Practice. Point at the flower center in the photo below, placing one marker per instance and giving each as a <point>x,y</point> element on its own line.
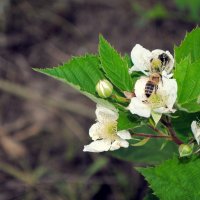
<point>156,101</point>
<point>110,130</point>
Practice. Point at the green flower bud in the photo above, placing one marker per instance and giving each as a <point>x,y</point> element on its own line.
<point>104,88</point>
<point>185,150</point>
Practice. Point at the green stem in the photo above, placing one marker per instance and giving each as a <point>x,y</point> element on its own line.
<point>151,135</point>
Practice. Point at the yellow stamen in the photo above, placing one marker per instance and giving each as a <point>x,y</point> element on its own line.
<point>156,101</point>
<point>110,130</point>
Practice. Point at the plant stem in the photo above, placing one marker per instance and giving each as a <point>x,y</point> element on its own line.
<point>152,135</point>
<point>156,130</point>
<point>171,131</point>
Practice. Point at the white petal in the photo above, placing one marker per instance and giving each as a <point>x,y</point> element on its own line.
<point>95,131</point>
<point>104,114</point>
<point>141,58</point>
<point>196,131</point>
<point>140,88</point>
<point>124,135</point>
<point>119,143</point>
<point>157,52</point>
<point>139,108</point>
<point>98,146</point>
<point>161,110</point>
<point>168,89</point>
<point>171,63</point>
<point>166,75</point>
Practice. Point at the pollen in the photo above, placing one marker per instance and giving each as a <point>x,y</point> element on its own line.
<point>110,130</point>
<point>156,63</point>
<point>156,101</point>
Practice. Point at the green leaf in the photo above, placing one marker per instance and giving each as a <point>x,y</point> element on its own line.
<point>150,153</point>
<point>150,196</point>
<point>182,124</point>
<point>115,67</point>
<point>128,121</point>
<point>83,73</point>
<point>189,47</point>
<point>174,179</point>
<point>186,74</point>
<point>141,142</point>
<point>127,59</point>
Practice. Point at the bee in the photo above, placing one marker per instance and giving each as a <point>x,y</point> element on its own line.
<point>164,58</point>
<point>152,84</point>
<point>158,64</point>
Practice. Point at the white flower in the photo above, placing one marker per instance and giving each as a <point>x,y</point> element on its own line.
<point>151,61</point>
<point>195,126</point>
<point>104,132</point>
<point>160,102</point>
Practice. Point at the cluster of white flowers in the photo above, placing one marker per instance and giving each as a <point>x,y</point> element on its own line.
<point>164,94</point>
<point>160,98</point>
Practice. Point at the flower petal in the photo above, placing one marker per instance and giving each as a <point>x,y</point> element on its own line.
<point>104,114</point>
<point>98,146</point>
<point>196,131</point>
<point>141,58</point>
<point>168,89</point>
<point>139,108</point>
<point>95,131</point>
<point>124,134</point>
<point>140,88</point>
<point>119,143</point>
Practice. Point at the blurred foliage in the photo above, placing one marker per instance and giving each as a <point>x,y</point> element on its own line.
<point>156,12</point>
<point>187,10</point>
<point>192,7</point>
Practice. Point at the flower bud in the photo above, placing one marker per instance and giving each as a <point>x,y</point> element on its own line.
<point>104,88</point>
<point>185,150</point>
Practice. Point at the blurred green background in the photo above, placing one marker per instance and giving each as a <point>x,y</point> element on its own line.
<point>44,123</point>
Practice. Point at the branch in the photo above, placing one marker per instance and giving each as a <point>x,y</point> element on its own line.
<point>152,135</point>
<point>171,131</point>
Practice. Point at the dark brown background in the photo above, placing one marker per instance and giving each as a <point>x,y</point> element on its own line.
<point>44,123</point>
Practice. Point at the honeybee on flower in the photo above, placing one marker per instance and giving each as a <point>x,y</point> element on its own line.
<point>160,101</point>
<point>149,62</point>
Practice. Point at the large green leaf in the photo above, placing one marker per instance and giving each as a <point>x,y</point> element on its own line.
<point>186,74</point>
<point>174,179</point>
<point>115,67</point>
<point>83,73</point>
<point>150,153</point>
<point>189,47</point>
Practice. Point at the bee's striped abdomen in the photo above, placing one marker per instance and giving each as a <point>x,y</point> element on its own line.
<point>149,88</point>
